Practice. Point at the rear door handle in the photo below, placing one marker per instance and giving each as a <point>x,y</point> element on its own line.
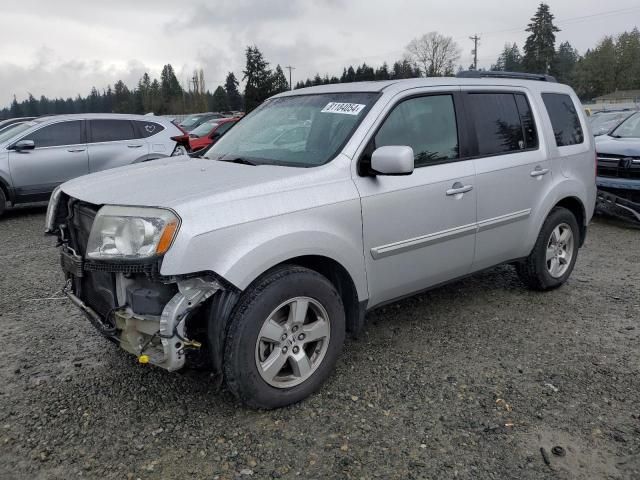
<point>134,146</point>
<point>539,171</point>
<point>76,150</point>
<point>458,189</point>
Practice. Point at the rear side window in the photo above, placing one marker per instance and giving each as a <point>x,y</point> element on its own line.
<point>497,122</point>
<point>426,124</point>
<point>564,119</point>
<point>111,130</point>
<point>147,129</point>
<point>58,134</point>
<point>528,124</point>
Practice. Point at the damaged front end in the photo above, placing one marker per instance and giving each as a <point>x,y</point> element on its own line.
<point>160,319</point>
<point>618,184</point>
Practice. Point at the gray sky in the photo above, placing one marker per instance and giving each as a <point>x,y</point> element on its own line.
<point>64,47</point>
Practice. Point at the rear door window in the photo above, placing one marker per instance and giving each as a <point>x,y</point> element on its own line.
<point>498,123</point>
<point>564,119</point>
<point>111,130</point>
<point>147,129</point>
<point>58,134</point>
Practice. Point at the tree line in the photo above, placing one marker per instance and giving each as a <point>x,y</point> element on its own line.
<point>613,64</point>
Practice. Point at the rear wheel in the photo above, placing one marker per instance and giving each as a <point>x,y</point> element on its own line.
<point>284,338</point>
<point>554,255</point>
<point>3,202</point>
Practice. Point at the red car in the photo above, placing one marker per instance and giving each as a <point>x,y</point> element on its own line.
<point>209,132</point>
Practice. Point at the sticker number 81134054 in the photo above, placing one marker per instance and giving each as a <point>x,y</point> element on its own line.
<point>343,108</point>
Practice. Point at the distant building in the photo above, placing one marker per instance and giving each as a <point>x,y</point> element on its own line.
<point>619,96</point>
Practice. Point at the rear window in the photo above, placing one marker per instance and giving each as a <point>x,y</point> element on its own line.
<point>503,123</point>
<point>111,130</point>
<point>564,119</point>
<point>147,129</point>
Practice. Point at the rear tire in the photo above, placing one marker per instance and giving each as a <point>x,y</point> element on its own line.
<point>554,255</point>
<point>3,202</point>
<point>284,337</point>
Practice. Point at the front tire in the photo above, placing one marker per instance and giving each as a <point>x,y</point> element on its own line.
<point>284,338</point>
<point>554,255</point>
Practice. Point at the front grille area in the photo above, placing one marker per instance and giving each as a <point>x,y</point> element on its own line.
<point>618,166</point>
<point>96,288</point>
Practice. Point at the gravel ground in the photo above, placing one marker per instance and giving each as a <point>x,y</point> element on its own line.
<point>468,381</point>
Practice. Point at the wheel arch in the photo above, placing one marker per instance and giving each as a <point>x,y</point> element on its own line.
<point>575,206</point>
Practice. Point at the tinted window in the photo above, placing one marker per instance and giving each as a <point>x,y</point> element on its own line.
<point>63,133</point>
<point>426,124</point>
<point>111,130</point>
<point>497,123</point>
<point>564,119</point>
<point>528,124</point>
<point>147,129</point>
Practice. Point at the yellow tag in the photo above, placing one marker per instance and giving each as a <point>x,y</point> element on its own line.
<point>143,359</point>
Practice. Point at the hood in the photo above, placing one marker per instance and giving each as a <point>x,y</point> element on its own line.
<point>629,147</point>
<point>175,181</point>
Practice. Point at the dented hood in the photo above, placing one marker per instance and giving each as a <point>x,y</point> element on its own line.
<point>175,181</point>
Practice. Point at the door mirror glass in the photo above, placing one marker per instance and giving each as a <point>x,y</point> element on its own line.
<point>392,160</point>
<point>24,145</point>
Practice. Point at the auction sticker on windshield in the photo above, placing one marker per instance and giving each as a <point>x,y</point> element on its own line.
<point>343,108</point>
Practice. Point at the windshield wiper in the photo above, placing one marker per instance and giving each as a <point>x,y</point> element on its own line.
<point>240,160</point>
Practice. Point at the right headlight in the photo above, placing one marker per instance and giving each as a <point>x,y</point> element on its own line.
<point>131,233</point>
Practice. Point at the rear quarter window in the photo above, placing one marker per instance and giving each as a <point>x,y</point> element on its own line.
<point>111,130</point>
<point>147,129</point>
<point>565,121</point>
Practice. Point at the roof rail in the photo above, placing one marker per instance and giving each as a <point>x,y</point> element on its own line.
<point>498,74</point>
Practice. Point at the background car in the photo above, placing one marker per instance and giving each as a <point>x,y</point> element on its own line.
<point>195,120</point>
<point>602,123</point>
<point>11,121</point>
<point>37,156</point>
<point>618,177</point>
<point>209,132</point>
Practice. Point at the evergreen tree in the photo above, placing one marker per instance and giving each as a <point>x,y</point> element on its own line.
<point>219,101</point>
<point>279,81</point>
<point>121,98</point>
<point>509,60</point>
<point>628,60</point>
<point>233,94</point>
<point>257,78</point>
<point>564,63</point>
<point>539,48</point>
<point>172,93</point>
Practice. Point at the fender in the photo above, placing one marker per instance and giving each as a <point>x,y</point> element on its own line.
<point>241,253</point>
<point>567,188</point>
<point>5,185</point>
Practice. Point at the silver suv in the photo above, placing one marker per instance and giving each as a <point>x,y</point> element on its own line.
<point>38,155</point>
<point>255,260</point>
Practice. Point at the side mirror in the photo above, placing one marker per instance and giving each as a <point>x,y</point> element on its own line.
<point>392,160</point>
<point>23,145</point>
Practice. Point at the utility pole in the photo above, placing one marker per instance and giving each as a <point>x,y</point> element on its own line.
<point>475,40</point>
<point>290,68</point>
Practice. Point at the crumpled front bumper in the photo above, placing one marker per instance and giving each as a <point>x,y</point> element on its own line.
<point>619,196</point>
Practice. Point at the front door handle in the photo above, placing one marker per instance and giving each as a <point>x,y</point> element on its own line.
<point>539,171</point>
<point>76,150</point>
<point>459,189</point>
<point>134,146</point>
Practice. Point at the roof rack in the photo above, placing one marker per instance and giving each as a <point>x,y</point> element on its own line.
<point>498,74</point>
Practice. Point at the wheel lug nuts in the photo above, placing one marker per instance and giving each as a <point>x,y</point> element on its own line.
<point>294,329</point>
<point>301,336</point>
<point>296,349</point>
<point>284,349</point>
<point>283,337</point>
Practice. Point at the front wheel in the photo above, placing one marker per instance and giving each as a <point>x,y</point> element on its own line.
<point>284,338</point>
<point>3,202</point>
<point>554,255</point>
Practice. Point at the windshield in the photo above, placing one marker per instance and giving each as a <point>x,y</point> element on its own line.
<point>204,129</point>
<point>602,123</point>
<point>191,120</point>
<point>630,128</point>
<point>298,131</point>
<point>12,130</point>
